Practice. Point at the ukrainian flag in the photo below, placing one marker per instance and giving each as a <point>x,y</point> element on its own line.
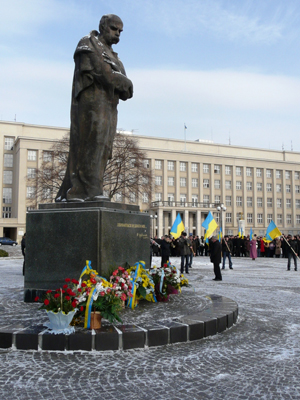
<point>272,231</point>
<point>220,235</point>
<point>210,225</point>
<point>251,234</point>
<point>177,227</point>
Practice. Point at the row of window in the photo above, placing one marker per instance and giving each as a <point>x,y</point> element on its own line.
<point>259,218</point>
<point>228,169</point>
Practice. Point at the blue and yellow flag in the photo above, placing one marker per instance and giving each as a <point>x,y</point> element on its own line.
<point>220,235</point>
<point>177,227</point>
<point>272,231</point>
<point>251,234</point>
<point>210,225</point>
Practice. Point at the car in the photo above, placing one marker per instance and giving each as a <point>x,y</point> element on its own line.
<point>7,241</point>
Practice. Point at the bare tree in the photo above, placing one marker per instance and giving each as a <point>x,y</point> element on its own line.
<point>127,176</point>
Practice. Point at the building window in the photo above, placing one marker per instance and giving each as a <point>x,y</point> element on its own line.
<point>171,165</point>
<point>31,155</point>
<point>227,170</point>
<point>8,160</point>
<point>228,217</point>
<point>297,175</point>
<point>8,145</point>
<point>278,203</point>
<point>238,185</point>
<point>249,218</point>
<point>146,163</point>
<point>269,173</point>
<point>288,203</point>
<point>249,171</point>
<point>279,218</point>
<point>6,212</point>
<point>145,198</point>
<point>170,197</point>
<point>182,166</point>
<point>206,183</point>
<point>217,169</point>
<point>269,187</point>
<point>158,196</point>
<point>158,164</point>
<point>258,172</point>
<point>30,193</point>
<point>183,199</point>
<point>278,188</point>
<point>259,218</point>
<point>239,202</point>
<point>217,184</point>
<point>288,219</point>
<point>194,200</point>
<point>288,188</point>
<point>287,174</point>
<point>194,167</point>
<point>7,195</point>
<point>238,171</point>
<point>269,218</point>
<point>249,201</point>
<point>194,182</point>
<point>278,174</point>
<point>47,156</point>
<point>228,200</point>
<point>297,203</point>
<point>217,218</point>
<point>171,181</point>
<point>30,208</point>
<point>119,197</point>
<point>158,180</point>
<point>298,219</point>
<point>217,199</point>
<point>182,182</point>
<point>31,173</point>
<point>228,185</point>
<point>205,198</point>
<point>297,188</point>
<point>249,185</point>
<point>259,202</point>
<point>259,186</point>
<point>269,202</point>
<point>7,177</point>
<point>206,168</point>
<point>132,197</point>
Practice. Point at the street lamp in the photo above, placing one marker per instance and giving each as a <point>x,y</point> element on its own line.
<point>221,208</point>
<point>153,217</point>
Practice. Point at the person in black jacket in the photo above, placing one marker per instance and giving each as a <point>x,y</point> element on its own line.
<point>165,249</point>
<point>23,247</point>
<point>215,257</point>
<point>184,245</point>
<point>227,251</point>
<point>292,252</point>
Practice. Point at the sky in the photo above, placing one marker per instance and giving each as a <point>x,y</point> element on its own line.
<point>228,70</point>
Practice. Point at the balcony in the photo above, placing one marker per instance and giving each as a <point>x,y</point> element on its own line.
<point>182,204</point>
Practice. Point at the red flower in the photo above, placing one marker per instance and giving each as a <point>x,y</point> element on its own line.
<point>37,298</point>
<point>56,295</point>
<point>72,294</point>
<point>46,302</point>
<point>79,289</point>
<point>121,269</point>
<point>93,281</point>
<point>83,284</point>
<point>81,308</point>
<point>67,298</point>
<point>49,291</point>
<point>75,281</point>
<point>65,286</point>
<point>57,290</point>
<point>115,272</point>
<point>74,304</point>
<point>102,293</point>
<point>69,291</point>
<point>123,297</point>
<point>67,279</point>
<point>63,291</point>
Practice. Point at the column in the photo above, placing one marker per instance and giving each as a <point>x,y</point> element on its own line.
<point>160,221</point>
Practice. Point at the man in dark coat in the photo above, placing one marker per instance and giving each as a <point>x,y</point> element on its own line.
<point>215,257</point>
<point>292,252</point>
<point>165,249</point>
<point>227,251</point>
<point>185,250</point>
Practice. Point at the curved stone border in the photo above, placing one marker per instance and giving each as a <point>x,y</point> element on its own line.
<point>219,315</point>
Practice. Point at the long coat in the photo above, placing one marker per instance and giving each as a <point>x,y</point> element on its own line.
<point>253,250</point>
<point>215,252</point>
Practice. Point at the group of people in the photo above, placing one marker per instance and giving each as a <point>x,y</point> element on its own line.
<point>187,247</point>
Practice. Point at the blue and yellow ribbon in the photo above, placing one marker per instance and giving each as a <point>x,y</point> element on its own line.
<point>88,309</point>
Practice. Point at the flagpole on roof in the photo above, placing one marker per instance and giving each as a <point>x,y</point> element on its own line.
<point>184,129</point>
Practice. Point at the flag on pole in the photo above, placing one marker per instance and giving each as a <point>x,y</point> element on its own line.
<point>239,234</point>
<point>251,233</point>
<point>220,234</point>
<point>177,227</point>
<point>272,231</point>
<point>210,225</point>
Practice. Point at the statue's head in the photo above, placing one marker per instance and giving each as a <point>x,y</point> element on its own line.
<point>110,28</point>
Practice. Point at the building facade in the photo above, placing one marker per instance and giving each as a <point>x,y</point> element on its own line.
<point>191,178</point>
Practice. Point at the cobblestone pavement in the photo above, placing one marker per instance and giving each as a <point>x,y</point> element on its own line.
<point>259,358</point>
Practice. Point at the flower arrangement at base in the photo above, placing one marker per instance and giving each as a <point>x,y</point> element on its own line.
<point>121,283</point>
<point>167,281</point>
<point>143,285</point>
<point>60,306</point>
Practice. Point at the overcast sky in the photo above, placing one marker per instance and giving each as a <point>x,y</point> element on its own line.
<point>225,68</point>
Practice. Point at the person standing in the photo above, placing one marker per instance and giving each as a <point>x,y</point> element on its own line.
<point>253,249</point>
<point>23,247</point>
<point>227,248</point>
<point>165,248</point>
<point>292,252</point>
<point>278,247</point>
<point>215,257</point>
<point>184,246</point>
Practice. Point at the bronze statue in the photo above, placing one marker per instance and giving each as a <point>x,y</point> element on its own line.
<point>98,84</point>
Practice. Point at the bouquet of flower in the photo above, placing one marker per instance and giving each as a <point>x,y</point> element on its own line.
<point>143,282</point>
<point>121,283</point>
<point>62,299</point>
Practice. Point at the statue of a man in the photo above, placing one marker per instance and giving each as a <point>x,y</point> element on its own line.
<point>98,84</point>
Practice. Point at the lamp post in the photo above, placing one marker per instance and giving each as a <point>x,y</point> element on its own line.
<point>153,217</point>
<point>221,208</point>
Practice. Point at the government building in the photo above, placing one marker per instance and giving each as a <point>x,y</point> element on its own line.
<point>241,186</point>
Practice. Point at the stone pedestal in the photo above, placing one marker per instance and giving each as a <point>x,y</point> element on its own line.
<point>60,237</point>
